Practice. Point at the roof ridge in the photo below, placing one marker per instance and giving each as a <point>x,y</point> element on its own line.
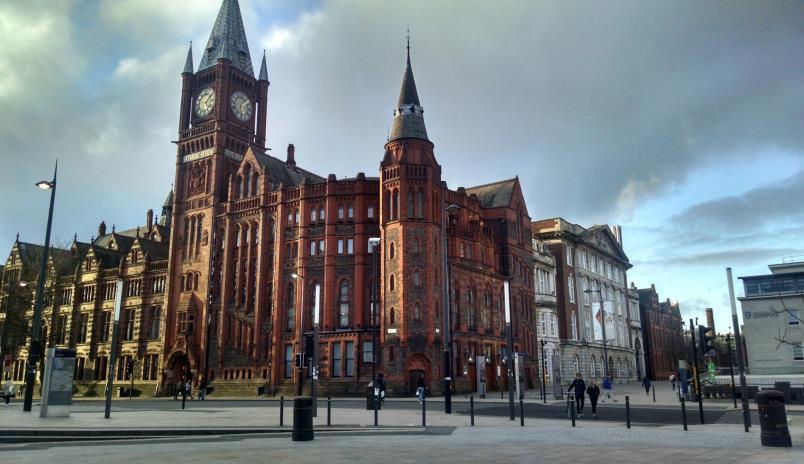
<point>491,183</point>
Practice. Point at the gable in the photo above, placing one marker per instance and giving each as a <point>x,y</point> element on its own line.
<point>602,238</point>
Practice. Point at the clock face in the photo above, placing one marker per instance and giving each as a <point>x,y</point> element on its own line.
<point>205,102</point>
<point>241,106</point>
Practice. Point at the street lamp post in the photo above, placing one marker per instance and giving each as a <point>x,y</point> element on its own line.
<point>447,337</point>
<point>510,358</point>
<point>300,382</point>
<point>316,316</point>
<point>36,330</point>
<point>739,348</point>
<point>544,372</point>
<point>603,327</point>
<point>374,242</point>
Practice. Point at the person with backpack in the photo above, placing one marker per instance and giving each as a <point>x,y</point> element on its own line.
<point>579,386</point>
<point>593,391</point>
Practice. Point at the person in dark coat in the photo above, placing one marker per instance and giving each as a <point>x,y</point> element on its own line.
<point>646,384</point>
<point>580,389</point>
<point>380,383</point>
<point>593,391</point>
<point>420,388</point>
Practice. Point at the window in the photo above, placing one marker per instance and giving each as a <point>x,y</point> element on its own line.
<point>129,316</point>
<point>350,211</point>
<point>340,211</point>
<point>154,320</point>
<point>336,360</point>
<point>368,352</point>
<point>313,214</point>
<point>574,322</point>
<point>391,285</point>
<point>288,361</point>
<point>312,248</point>
<point>61,330</point>
<point>320,247</point>
<point>290,223</point>
<point>186,323</point>
<point>83,326</point>
<point>793,317</point>
<point>420,204</point>
<point>411,212</point>
<point>150,367</point>
<point>123,372</point>
<point>343,304</point>
<point>417,311</point>
<point>415,245</point>
<point>101,365</point>
<point>391,250</point>
<point>417,278</point>
<point>350,246</point>
<point>371,211</point>
<point>291,305</point>
<point>321,213</point>
<point>350,359</point>
<point>105,325</point>
<point>571,288</point>
<point>392,317</point>
<point>569,255</point>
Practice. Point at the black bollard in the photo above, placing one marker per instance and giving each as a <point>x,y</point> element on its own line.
<point>684,413</point>
<point>424,412</point>
<point>303,419</point>
<point>183,399</point>
<point>281,411</point>
<point>653,387</point>
<point>773,419</point>
<point>501,394</point>
<point>572,412</point>
<point>376,417</point>
<point>472,410</point>
<point>521,413</point>
<point>329,410</point>
<point>627,412</point>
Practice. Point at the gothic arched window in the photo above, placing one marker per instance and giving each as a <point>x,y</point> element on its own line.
<point>420,204</point>
<point>290,299</point>
<point>343,304</point>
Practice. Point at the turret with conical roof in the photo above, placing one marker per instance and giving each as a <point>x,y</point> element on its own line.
<point>408,120</point>
<point>188,64</point>
<point>228,40</point>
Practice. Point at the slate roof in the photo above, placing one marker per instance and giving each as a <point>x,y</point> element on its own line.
<point>228,40</point>
<point>408,122</point>
<point>188,65</point>
<point>280,172</point>
<point>154,250</point>
<point>263,69</point>
<point>494,195</point>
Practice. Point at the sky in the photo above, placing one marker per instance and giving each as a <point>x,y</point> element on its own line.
<point>681,121</point>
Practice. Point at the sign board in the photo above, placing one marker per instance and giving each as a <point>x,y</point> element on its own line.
<point>57,388</point>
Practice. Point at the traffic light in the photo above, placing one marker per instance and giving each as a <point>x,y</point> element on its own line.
<point>129,367</point>
<point>309,347</point>
<point>299,360</point>
<point>706,337</point>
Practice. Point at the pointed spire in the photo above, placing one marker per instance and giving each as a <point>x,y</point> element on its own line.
<point>188,65</point>
<point>408,115</point>
<point>18,238</point>
<point>228,40</point>
<point>263,69</point>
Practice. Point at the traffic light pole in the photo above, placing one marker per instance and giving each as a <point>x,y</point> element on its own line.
<point>698,389</point>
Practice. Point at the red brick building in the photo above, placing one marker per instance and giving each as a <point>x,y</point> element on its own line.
<point>245,223</point>
<point>663,334</point>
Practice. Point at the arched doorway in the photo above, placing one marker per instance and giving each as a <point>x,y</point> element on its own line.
<point>416,366</point>
<point>178,370</point>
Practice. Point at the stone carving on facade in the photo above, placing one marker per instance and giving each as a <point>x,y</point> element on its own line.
<point>198,177</point>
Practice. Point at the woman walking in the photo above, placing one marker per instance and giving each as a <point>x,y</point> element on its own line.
<point>594,393</point>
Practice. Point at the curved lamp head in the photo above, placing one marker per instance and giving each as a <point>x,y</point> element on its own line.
<point>296,276</point>
<point>22,283</point>
<point>44,184</point>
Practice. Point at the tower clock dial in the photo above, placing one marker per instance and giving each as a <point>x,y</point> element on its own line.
<point>205,102</point>
<point>241,106</point>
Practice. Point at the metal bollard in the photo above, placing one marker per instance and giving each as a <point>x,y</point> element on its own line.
<point>653,387</point>
<point>281,411</point>
<point>329,410</point>
<point>627,412</point>
<point>183,400</point>
<point>501,394</point>
<point>684,413</point>
<point>472,409</point>
<point>572,412</point>
<point>376,417</point>
<point>424,412</point>
<point>521,413</point>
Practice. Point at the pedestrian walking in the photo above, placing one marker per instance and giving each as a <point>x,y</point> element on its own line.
<point>646,385</point>
<point>202,389</point>
<point>579,386</point>
<point>380,383</point>
<point>673,381</point>
<point>420,388</point>
<point>608,387</point>
<point>8,391</point>
<point>593,391</point>
<point>188,389</point>
<point>178,388</point>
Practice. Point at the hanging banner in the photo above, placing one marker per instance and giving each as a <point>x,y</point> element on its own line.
<point>611,331</point>
<point>597,323</point>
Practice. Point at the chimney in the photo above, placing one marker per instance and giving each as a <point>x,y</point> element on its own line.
<point>102,229</point>
<point>291,155</point>
<point>710,319</point>
<point>149,219</point>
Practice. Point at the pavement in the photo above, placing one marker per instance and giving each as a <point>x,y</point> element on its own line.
<point>157,430</point>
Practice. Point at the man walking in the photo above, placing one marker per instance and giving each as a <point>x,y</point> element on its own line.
<point>646,385</point>
<point>594,393</point>
<point>580,388</point>
<point>8,391</point>
<point>673,381</point>
<point>608,386</point>
<point>420,388</point>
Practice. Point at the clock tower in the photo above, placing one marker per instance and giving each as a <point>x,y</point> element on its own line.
<point>222,113</point>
